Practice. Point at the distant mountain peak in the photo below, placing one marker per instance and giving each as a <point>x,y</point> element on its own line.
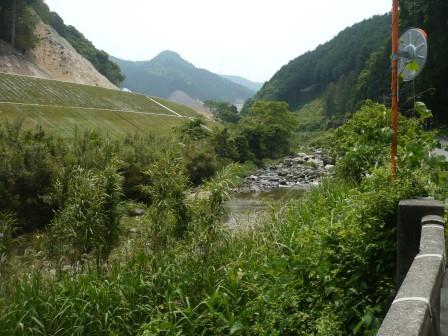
<point>168,57</point>
<point>251,85</point>
<point>168,73</point>
<point>168,54</point>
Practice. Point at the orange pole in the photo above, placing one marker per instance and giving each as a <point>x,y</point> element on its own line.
<point>394,88</point>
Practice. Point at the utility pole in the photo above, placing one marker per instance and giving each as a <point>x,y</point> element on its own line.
<point>394,89</point>
<point>13,30</point>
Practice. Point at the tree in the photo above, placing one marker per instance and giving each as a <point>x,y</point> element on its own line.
<point>224,111</point>
<point>17,23</point>
<point>306,77</point>
<point>193,130</point>
<point>268,129</point>
<point>13,28</point>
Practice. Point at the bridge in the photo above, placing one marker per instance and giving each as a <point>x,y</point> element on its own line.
<point>420,306</point>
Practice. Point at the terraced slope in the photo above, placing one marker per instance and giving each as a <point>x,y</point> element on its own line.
<point>63,107</point>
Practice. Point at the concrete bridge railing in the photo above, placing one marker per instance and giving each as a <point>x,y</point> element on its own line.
<point>421,265</point>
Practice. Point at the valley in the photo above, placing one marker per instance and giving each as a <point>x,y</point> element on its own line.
<point>158,197</point>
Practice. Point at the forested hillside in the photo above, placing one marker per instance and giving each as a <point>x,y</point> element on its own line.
<point>25,38</point>
<point>169,72</point>
<point>355,65</point>
<point>21,37</point>
<point>332,69</point>
<point>432,86</point>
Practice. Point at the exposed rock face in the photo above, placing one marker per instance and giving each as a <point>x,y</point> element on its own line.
<point>54,55</point>
<point>13,62</point>
<point>52,58</point>
<point>299,171</point>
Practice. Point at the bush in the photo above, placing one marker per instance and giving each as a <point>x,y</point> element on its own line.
<point>88,220</point>
<point>168,216</point>
<point>200,163</point>
<point>268,129</point>
<point>8,226</point>
<point>363,143</point>
<point>28,165</point>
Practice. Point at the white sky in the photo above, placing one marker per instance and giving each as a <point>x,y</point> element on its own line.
<point>249,38</point>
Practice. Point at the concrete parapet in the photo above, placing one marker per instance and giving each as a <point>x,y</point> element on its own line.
<point>415,310</point>
<point>410,214</point>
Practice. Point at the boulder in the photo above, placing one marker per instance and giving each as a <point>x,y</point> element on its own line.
<point>283,172</point>
<point>299,160</point>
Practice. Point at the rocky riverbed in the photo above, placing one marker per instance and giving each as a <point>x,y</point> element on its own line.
<point>299,171</point>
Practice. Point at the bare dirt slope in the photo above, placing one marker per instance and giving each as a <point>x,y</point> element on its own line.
<point>52,58</point>
<point>58,58</point>
<point>13,62</point>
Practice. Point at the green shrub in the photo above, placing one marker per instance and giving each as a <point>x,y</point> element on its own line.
<point>8,226</point>
<point>168,215</point>
<point>88,220</point>
<point>363,143</point>
<point>138,153</point>
<point>193,130</point>
<point>200,162</point>
<point>268,129</point>
<point>28,166</point>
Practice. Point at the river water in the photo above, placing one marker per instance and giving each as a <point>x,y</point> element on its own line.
<point>250,209</point>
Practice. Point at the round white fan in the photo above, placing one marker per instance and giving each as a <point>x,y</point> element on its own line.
<point>412,53</point>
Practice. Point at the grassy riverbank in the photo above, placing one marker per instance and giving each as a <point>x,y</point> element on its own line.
<point>322,265</point>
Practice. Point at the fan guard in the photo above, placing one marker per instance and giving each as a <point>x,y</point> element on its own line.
<point>412,53</point>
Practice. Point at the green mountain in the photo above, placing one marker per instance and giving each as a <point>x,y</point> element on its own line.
<point>169,72</point>
<point>253,86</point>
<point>333,70</point>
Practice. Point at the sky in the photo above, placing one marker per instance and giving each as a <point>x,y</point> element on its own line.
<point>249,38</point>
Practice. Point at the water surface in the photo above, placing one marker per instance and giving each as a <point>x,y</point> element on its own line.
<point>250,209</point>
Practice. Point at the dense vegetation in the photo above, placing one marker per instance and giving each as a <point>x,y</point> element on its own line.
<point>306,271</point>
<point>223,111</point>
<point>354,66</point>
<point>22,35</point>
<point>25,39</point>
<point>322,265</point>
<point>33,160</point>
<point>168,72</point>
<point>431,86</point>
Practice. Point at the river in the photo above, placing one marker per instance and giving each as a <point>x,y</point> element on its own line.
<point>249,209</point>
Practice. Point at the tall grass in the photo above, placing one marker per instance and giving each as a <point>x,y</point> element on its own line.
<point>322,266</point>
<point>319,266</point>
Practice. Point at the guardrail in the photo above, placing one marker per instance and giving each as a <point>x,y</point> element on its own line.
<point>421,264</point>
